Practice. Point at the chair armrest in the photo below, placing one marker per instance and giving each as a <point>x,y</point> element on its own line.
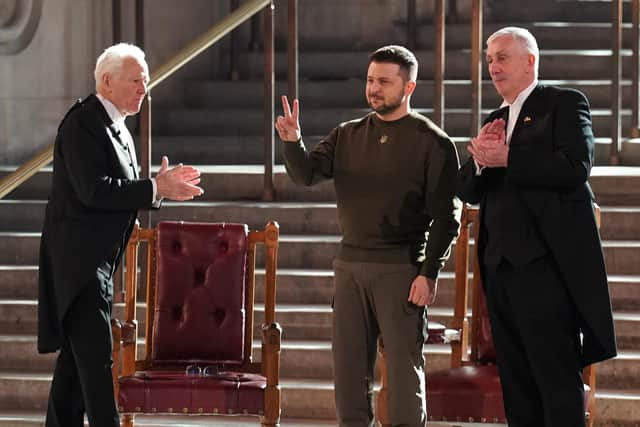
<point>116,331</point>
<point>124,339</point>
<point>129,333</point>
<point>123,332</point>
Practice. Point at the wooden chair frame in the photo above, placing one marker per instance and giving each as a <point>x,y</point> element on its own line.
<point>125,332</point>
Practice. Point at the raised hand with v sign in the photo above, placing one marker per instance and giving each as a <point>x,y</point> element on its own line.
<point>288,127</point>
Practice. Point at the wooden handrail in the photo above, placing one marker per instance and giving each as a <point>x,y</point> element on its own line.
<point>26,171</point>
<point>197,46</point>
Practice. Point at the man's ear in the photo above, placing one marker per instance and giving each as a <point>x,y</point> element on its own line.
<point>106,81</point>
<point>409,88</point>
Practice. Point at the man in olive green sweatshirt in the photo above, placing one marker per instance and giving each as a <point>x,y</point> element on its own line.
<point>394,173</point>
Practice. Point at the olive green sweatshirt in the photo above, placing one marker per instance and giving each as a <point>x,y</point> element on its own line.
<point>395,188</point>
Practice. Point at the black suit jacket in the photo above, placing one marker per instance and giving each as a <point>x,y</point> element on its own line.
<point>550,158</point>
<point>95,195</point>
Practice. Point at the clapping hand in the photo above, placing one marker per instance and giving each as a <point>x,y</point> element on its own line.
<point>178,183</point>
<point>288,127</point>
<point>488,148</point>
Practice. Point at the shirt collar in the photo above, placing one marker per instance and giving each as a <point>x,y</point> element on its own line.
<point>112,110</point>
<point>522,96</point>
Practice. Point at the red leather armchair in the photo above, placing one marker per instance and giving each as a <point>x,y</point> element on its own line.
<point>199,324</point>
<point>470,390</point>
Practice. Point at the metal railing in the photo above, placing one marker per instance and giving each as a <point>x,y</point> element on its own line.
<point>26,171</point>
<point>476,67</point>
<point>196,47</point>
<point>439,19</point>
<point>616,79</point>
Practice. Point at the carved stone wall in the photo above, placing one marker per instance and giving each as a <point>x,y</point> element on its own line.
<point>18,22</point>
<point>48,51</point>
<point>47,54</point>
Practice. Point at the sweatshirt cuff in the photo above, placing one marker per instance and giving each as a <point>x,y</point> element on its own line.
<point>430,270</point>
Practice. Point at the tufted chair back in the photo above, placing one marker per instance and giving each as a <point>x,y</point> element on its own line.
<point>198,330</point>
<point>200,303</point>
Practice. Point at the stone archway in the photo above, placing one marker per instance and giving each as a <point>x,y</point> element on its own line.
<point>19,20</point>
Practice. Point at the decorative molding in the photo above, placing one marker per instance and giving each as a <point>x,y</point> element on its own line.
<point>7,12</point>
<point>19,20</point>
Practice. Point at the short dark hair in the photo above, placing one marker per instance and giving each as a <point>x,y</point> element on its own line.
<point>397,55</point>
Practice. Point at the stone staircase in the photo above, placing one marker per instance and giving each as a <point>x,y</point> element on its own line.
<point>309,240</point>
<point>220,124</point>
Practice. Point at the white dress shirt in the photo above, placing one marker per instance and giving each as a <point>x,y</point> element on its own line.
<point>516,107</point>
<point>125,136</point>
<point>514,111</point>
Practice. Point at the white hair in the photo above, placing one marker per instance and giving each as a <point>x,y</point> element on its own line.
<point>111,60</point>
<point>524,37</point>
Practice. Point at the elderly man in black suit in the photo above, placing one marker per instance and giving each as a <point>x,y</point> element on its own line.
<point>95,196</point>
<point>539,248</point>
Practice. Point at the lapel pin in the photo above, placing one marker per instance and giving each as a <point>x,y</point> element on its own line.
<point>383,139</point>
<point>527,119</point>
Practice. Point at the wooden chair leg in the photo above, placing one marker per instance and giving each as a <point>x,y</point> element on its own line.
<point>126,421</point>
<point>271,340</point>
<point>382,408</point>
<point>116,332</point>
<point>589,378</point>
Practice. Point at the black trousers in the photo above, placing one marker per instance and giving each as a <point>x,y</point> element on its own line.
<point>82,379</point>
<point>536,335</point>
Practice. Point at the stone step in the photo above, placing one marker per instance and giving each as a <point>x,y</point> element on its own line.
<point>311,359</point>
<point>312,399</point>
<point>221,183</point>
<point>299,321</point>
<point>553,34</point>
<point>36,419</point>
<point>576,63</point>
<point>293,217</point>
<point>613,186</point>
<point>560,33</point>
<point>298,359</point>
<point>224,94</point>
<point>310,287</point>
<point>249,150</point>
<point>320,121</point>
<point>618,222</point>
<point>300,398</point>
<point>565,11</point>
<point>309,251</point>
